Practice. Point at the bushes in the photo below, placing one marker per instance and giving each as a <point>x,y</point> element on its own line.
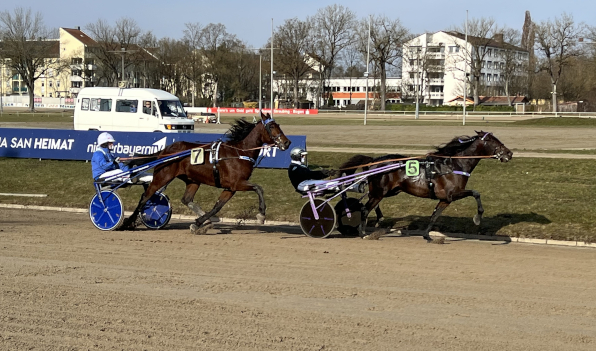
<point>412,108</point>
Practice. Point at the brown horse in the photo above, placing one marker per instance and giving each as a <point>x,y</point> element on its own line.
<point>226,165</point>
<point>442,175</point>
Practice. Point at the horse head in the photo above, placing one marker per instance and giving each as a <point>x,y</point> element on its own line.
<point>494,146</point>
<point>274,133</point>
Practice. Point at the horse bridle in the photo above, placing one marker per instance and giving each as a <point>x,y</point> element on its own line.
<point>277,139</point>
<point>498,150</point>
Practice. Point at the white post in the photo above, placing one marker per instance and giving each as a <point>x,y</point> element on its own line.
<point>366,73</point>
<point>465,98</point>
<point>260,81</point>
<point>271,67</point>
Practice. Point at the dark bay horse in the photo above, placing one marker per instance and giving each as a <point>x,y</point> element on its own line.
<point>227,165</point>
<point>442,175</point>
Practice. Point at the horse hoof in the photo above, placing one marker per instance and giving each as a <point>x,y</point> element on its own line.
<point>477,219</point>
<point>261,218</point>
<point>201,230</point>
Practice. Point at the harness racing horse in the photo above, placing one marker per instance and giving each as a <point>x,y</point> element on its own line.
<point>232,163</point>
<point>443,175</point>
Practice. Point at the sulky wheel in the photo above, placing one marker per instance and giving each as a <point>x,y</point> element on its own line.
<point>349,216</point>
<point>317,228</point>
<point>157,211</point>
<point>106,213</point>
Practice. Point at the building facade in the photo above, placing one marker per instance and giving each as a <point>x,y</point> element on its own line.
<point>435,64</point>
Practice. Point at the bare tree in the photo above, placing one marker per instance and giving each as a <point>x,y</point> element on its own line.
<point>354,64</point>
<point>332,28</point>
<point>114,41</point>
<point>194,67</point>
<point>26,47</point>
<point>387,37</point>
<point>481,33</point>
<point>513,66</point>
<point>293,39</point>
<point>218,52</point>
<point>556,41</point>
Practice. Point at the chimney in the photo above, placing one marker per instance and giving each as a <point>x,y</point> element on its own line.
<point>498,38</point>
<point>78,27</point>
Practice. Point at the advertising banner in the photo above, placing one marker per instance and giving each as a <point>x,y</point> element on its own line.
<point>59,144</point>
<point>280,111</point>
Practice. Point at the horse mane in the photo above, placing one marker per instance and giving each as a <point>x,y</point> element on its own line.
<point>240,130</point>
<point>458,144</point>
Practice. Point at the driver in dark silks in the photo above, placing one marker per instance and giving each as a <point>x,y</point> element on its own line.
<point>301,177</point>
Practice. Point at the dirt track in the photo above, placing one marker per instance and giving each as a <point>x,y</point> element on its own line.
<point>67,286</point>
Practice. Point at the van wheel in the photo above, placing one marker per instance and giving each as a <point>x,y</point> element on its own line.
<point>157,131</point>
<point>94,130</point>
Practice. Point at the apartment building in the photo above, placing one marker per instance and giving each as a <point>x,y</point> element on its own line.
<point>435,64</point>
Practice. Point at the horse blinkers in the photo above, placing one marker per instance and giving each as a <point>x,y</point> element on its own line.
<point>281,144</point>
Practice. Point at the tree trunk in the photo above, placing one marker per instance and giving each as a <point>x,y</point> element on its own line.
<point>31,87</point>
<point>554,98</point>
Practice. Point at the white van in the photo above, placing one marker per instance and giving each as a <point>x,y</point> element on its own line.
<point>130,109</point>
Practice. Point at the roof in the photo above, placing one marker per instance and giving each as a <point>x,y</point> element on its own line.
<point>486,41</point>
<point>494,100</point>
<point>81,36</point>
<point>126,93</point>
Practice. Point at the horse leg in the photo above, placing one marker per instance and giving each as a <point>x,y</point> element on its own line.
<point>373,202</point>
<point>436,213</point>
<point>476,195</point>
<point>379,214</point>
<point>188,197</point>
<point>247,186</point>
<point>203,223</point>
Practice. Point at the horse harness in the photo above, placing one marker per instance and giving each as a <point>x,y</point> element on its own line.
<point>214,154</point>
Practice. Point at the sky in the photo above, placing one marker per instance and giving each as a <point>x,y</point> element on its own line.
<point>250,20</point>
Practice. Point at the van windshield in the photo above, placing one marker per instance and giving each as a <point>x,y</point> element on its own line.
<point>171,108</point>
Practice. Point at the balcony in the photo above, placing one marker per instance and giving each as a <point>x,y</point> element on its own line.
<point>437,95</point>
<point>16,89</point>
<point>436,55</point>
<point>436,81</point>
<point>75,90</point>
<point>78,66</point>
<point>91,67</point>
<point>76,78</point>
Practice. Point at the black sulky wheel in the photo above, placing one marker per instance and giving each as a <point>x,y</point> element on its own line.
<point>317,228</point>
<point>349,216</point>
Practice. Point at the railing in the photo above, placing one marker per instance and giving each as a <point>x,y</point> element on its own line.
<point>76,78</point>
<point>436,81</point>
<point>455,114</point>
<point>436,95</point>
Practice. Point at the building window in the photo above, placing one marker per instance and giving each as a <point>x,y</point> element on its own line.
<point>489,52</point>
<point>57,84</point>
<point>489,64</point>
<point>51,83</point>
<point>489,77</point>
<point>76,61</point>
<point>453,49</point>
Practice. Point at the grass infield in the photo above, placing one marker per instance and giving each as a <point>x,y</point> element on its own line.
<point>526,197</point>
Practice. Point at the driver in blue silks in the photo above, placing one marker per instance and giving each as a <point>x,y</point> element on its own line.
<point>104,163</point>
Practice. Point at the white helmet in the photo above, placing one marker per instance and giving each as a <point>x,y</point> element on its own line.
<point>105,137</point>
<point>297,154</point>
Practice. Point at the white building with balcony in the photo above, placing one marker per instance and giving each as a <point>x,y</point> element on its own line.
<point>435,64</point>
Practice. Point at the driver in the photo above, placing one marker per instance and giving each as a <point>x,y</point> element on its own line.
<point>300,175</point>
<point>103,162</point>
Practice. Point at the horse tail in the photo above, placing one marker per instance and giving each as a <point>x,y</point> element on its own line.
<point>140,159</point>
<point>350,166</point>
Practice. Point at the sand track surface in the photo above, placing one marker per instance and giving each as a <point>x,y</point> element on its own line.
<point>65,285</point>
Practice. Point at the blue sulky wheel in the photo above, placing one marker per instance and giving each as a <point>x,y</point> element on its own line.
<point>109,214</point>
<point>317,228</point>
<point>157,211</point>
